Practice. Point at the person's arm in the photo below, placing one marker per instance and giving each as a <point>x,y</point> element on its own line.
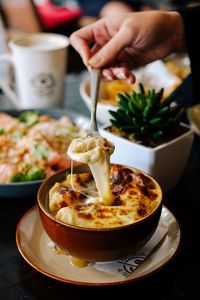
<point>191,20</point>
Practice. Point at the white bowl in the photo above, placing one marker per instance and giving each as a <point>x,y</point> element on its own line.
<point>102,115</point>
<point>149,76</point>
<point>165,163</point>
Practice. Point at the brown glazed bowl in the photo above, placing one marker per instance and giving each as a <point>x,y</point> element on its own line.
<point>90,244</point>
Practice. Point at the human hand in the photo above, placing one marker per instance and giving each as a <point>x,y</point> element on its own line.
<point>129,41</point>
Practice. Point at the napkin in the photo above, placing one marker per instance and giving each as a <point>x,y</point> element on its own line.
<point>127,265</point>
<point>150,76</point>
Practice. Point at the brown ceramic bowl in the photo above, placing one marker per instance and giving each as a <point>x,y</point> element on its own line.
<point>92,244</point>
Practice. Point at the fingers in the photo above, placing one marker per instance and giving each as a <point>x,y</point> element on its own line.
<point>80,40</point>
<point>111,42</point>
<point>110,51</point>
<point>81,47</point>
<point>119,73</point>
<point>106,54</point>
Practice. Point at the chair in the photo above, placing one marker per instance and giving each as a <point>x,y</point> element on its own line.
<point>58,19</point>
<point>20,16</point>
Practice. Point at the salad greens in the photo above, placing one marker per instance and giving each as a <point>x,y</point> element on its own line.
<point>41,151</point>
<point>31,174</point>
<point>29,117</point>
<point>2,131</point>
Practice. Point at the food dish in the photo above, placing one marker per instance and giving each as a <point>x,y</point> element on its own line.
<point>34,246</point>
<point>109,243</point>
<point>80,204</point>
<point>26,189</point>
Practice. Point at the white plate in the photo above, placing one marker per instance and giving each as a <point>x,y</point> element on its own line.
<point>33,244</point>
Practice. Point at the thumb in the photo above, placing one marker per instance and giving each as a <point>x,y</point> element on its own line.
<point>108,53</point>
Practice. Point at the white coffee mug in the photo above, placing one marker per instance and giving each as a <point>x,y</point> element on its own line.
<point>40,62</point>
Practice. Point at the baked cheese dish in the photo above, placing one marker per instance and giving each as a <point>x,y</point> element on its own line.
<point>76,201</point>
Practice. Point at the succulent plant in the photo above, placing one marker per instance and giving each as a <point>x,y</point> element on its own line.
<point>145,114</point>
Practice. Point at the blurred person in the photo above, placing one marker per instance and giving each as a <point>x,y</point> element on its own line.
<point>102,8</point>
<point>96,8</point>
<point>131,40</point>
<point>91,11</point>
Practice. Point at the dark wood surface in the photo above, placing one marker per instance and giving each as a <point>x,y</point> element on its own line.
<point>180,279</point>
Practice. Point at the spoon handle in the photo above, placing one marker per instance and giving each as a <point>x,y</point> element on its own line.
<point>95,75</point>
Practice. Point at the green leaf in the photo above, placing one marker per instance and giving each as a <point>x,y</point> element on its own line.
<point>17,135</point>
<point>141,89</point>
<point>30,118</point>
<point>146,112</point>
<point>33,173</point>
<point>155,121</point>
<point>136,122</point>
<point>165,124</point>
<point>145,115</point>
<point>41,151</point>
<point>123,104</point>
<point>135,100</point>
<point>132,107</point>
<point>115,123</point>
<point>2,131</point>
<point>149,102</point>
<point>164,110</point>
<point>157,135</point>
<point>19,177</point>
<point>144,129</point>
<point>124,96</point>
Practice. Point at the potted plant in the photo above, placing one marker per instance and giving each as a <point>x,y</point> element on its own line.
<point>148,134</point>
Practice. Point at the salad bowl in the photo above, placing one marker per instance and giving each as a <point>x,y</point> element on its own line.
<point>28,188</point>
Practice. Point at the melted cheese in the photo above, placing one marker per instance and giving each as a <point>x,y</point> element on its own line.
<point>136,196</point>
<point>95,151</point>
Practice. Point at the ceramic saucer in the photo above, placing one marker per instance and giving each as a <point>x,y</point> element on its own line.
<point>34,245</point>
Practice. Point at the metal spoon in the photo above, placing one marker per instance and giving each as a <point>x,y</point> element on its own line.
<point>95,75</point>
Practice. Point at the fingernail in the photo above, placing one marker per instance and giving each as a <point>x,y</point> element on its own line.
<point>121,75</point>
<point>131,80</point>
<point>96,59</point>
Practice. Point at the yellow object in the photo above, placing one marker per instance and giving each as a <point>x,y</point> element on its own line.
<point>112,88</point>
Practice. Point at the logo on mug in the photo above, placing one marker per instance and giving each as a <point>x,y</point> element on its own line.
<point>43,84</point>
